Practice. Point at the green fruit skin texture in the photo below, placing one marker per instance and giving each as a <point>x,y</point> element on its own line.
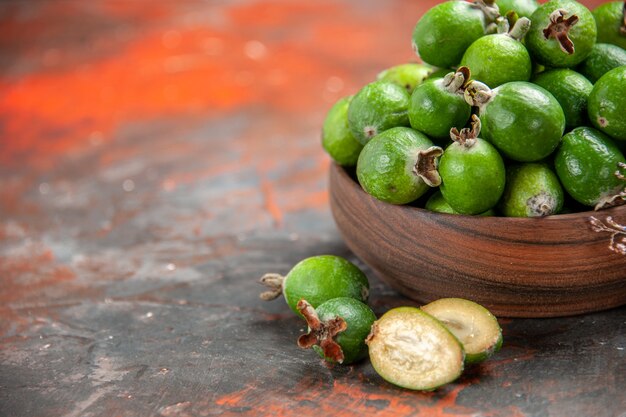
<point>528,186</point>
<point>433,110</point>
<point>337,139</point>
<point>548,51</point>
<point>445,31</point>
<point>524,8</point>
<point>571,90</point>
<point>408,76</point>
<point>322,278</point>
<point>607,103</point>
<point>359,318</point>
<point>524,121</point>
<point>438,204</point>
<point>472,178</point>
<point>377,107</point>
<point>585,163</point>
<point>609,18</point>
<point>498,59</point>
<point>603,58</point>
<point>385,166</point>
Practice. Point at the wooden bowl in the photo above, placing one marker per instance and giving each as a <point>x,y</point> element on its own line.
<point>517,267</point>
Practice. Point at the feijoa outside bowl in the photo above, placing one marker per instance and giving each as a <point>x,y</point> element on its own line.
<point>517,267</point>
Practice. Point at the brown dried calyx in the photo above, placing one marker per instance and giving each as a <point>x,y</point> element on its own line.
<point>427,164</point>
<point>559,28</point>
<point>477,94</point>
<point>467,136</point>
<point>616,199</point>
<point>455,82</point>
<point>275,283</point>
<point>321,332</point>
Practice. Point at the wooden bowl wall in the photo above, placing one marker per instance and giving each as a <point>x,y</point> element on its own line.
<point>517,267</point>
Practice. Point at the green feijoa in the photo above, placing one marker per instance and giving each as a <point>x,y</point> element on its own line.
<point>391,169</point>
<point>571,90</point>
<point>586,163</point>
<point>603,58</point>
<point>562,33</point>
<point>472,172</point>
<point>532,190</point>
<point>500,58</point>
<point>611,22</point>
<point>412,349</point>
<point>317,279</point>
<point>607,103</point>
<point>377,107</point>
<point>523,8</point>
<point>406,75</point>
<point>337,139</point>
<point>337,329</point>
<point>523,120</point>
<point>446,30</point>
<point>438,204</point>
<point>438,105</point>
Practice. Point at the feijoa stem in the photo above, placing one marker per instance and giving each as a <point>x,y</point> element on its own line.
<point>322,332</point>
<point>275,283</point>
<point>477,94</point>
<point>455,82</point>
<point>426,166</point>
<point>615,199</point>
<point>559,27</point>
<point>467,136</point>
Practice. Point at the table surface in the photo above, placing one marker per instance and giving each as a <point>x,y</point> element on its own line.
<point>155,161</point>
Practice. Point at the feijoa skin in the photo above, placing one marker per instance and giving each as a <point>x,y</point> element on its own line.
<point>438,105</point>
<point>497,59</point>
<point>377,107</point>
<point>532,190</point>
<point>318,279</point>
<point>472,173</point>
<point>603,58</point>
<point>523,8</point>
<point>607,103</point>
<point>522,120</point>
<point>337,139</point>
<point>610,22</point>
<point>438,204</point>
<point>571,90</point>
<point>586,162</point>
<point>408,75</point>
<point>445,31</point>
<point>562,34</point>
<point>337,329</point>
<point>386,168</point>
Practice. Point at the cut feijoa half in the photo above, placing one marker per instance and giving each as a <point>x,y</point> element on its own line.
<point>472,324</point>
<point>413,350</point>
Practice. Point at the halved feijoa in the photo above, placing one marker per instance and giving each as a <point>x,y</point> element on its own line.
<point>410,348</point>
<point>475,327</point>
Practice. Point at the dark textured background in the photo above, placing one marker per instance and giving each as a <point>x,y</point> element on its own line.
<point>156,158</point>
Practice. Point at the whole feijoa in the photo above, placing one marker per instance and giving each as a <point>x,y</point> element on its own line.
<point>408,75</point>
<point>571,90</point>
<point>562,33</point>
<point>532,190</point>
<point>438,105</point>
<point>472,172</point>
<point>337,139</point>
<point>607,103</point>
<point>611,22</point>
<point>337,329</point>
<point>523,8</point>
<point>445,31</point>
<point>377,107</point>
<point>586,163</point>
<point>522,120</point>
<point>317,279</point>
<point>500,58</point>
<point>603,58</point>
<point>391,167</point>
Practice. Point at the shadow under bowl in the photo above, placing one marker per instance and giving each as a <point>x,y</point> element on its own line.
<point>517,267</point>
